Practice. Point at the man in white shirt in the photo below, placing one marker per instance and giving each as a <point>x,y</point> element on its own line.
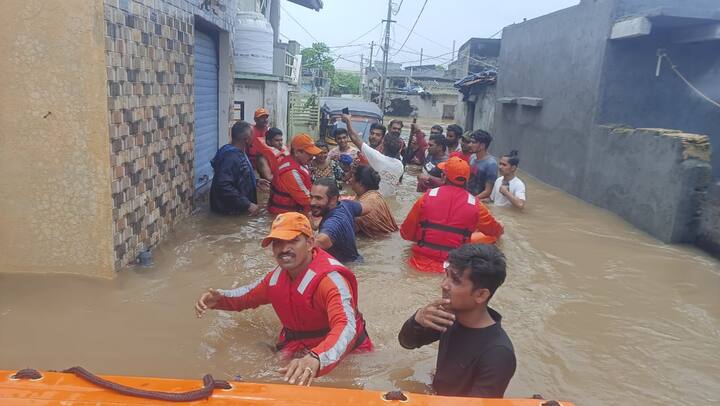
<point>509,189</point>
<point>385,163</point>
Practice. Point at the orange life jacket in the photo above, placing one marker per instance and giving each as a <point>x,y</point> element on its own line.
<point>448,218</point>
<point>281,201</point>
<point>293,301</point>
<point>255,147</point>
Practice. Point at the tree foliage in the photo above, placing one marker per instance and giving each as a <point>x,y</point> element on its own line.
<point>318,56</point>
<point>345,83</point>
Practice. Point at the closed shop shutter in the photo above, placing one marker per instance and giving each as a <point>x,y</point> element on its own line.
<point>206,107</point>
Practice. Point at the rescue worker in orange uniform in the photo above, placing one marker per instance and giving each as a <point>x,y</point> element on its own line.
<point>257,145</point>
<point>290,186</point>
<point>314,296</point>
<point>445,218</point>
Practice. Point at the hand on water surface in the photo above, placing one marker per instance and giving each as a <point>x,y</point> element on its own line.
<point>207,301</point>
<point>435,316</point>
<point>301,370</point>
<point>253,210</point>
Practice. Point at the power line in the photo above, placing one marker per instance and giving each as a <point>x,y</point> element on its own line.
<point>398,8</point>
<point>298,23</point>
<point>363,35</point>
<point>426,38</point>
<point>413,27</point>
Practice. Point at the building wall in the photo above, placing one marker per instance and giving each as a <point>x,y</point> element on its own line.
<point>545,58</point>
<point>270,94</point>
<point>150,60</point>
<point>425,107</point>
<point>482,105</point>
<point>55,206</point>
<point>709,235</point>
<point>655,179</point>
<point>632,94</point>
<point>626,8</point>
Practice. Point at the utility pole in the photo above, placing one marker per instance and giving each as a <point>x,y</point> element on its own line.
<point>453,52</point>
<point>372,48</point>
<point>385,55</point>
<point>421,55</point>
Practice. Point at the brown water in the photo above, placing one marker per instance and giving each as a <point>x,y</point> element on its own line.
<point>599,313</point>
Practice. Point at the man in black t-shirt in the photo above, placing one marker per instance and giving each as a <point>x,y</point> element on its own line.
<point>476,357</point>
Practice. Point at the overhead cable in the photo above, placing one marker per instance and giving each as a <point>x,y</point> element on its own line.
<point>298,23</point>
<point>413,27</point>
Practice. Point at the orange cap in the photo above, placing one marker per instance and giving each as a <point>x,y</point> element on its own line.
<point>304,142</point>
<point>456,170</point>
<point>261,112</point>
<point>288,226</point>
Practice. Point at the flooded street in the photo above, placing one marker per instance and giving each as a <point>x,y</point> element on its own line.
<point>599,312</point>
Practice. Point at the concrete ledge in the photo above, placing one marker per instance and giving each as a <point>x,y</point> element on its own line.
<point>530,101</point>
<point>507,100</point>
<point>631,28</point>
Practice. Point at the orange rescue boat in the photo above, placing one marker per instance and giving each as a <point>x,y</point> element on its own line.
<point>79,387</point>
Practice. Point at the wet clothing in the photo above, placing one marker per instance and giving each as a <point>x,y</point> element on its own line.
<point>290,188</point>
<point>332,170</point>
<point>378,221</point>
<point>430,168</point>
<point>318,309</point>
<point>273,156</point>
<point>443,219</point>
<point>416,155</point>
<point>482,171</point>
<point>390,169</point>
<point>256,145</point>
<point>464,157</point>
<point>339,225</point>
<point>516,187</point>
<point>234,186</point>
<point>471,362</point>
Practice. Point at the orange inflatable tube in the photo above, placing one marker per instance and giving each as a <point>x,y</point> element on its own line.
<point>57,388</point>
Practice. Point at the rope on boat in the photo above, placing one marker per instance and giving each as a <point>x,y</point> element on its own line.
<point>27,373</point>
<point>209,384</point>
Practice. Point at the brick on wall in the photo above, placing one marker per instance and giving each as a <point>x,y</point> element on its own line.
<point>150,116</point>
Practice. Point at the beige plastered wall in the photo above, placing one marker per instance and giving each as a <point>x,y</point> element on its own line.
<point>55,200</point>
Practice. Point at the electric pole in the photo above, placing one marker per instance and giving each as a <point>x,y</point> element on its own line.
<point>453,52</point>
<point>372,48</point>
<point>421,56</point>
<point>386,53</point>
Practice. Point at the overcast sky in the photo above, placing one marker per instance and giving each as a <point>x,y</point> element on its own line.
<point>341,22</point>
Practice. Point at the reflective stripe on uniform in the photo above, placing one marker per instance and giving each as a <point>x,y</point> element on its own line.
<point>275,276</point>
<point>340,347</point>
<point>434,192</point>
<point>309,275</point>
<point>242,290</point>
<point>335,262</point>
<point>300,182</point>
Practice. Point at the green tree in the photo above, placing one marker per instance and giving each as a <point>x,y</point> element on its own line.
<point>318,56</point>
<point>345,83</point>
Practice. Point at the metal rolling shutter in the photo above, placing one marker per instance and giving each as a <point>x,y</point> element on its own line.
<point>206,107</point>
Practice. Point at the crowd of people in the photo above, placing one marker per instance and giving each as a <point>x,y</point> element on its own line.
<point>313,239</point>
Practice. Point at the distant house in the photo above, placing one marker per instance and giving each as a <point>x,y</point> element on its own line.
<point>426,90</point>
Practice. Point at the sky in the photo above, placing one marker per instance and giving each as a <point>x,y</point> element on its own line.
<point>343,22</point>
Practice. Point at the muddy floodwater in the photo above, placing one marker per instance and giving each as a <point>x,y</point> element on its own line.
<point>600,313</point>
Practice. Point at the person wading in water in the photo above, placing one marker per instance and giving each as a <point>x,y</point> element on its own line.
<point>314,296</point>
